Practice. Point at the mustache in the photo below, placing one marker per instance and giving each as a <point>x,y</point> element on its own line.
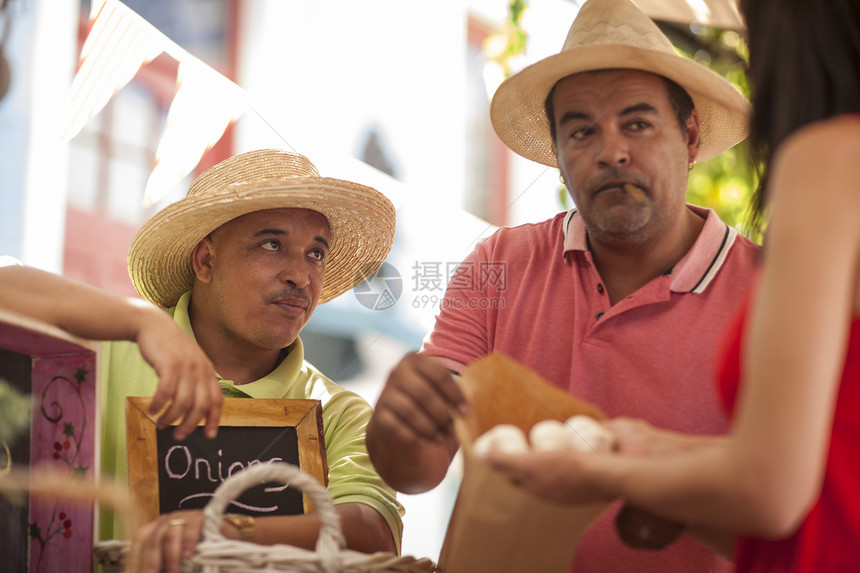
<point>616,174</point>
<point>291,292</point>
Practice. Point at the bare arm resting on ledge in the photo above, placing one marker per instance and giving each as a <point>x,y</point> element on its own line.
<point>186,376</point>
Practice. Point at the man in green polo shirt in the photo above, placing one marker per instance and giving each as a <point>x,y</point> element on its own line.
<point>240,264</point>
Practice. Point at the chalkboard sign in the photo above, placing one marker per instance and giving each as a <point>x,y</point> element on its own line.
<point>166,475</point>
<point>189,471</point>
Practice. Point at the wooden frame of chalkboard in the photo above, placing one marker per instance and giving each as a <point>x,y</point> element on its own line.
<point>292,432</point>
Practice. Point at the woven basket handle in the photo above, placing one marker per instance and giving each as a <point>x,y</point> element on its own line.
<point>330,540</point>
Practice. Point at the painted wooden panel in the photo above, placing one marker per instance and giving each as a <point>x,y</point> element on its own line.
<point>59,374</point>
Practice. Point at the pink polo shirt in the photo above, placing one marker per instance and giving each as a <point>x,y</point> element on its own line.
<point>533,293</point>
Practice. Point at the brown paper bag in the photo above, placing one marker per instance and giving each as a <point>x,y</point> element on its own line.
<point>496,526</point>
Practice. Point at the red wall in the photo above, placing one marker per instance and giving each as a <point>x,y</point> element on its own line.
<point>96,249</point>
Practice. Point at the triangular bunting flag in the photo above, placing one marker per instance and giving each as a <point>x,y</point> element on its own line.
<point>205,104</point>
<point>119,43</point>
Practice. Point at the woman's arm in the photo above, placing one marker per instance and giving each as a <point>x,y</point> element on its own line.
<point>763,479</point>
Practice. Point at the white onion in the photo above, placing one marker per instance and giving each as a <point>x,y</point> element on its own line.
<point>580,433</point>
<point>589,434</point>
<point>503,438</point>
<point>549,435</point>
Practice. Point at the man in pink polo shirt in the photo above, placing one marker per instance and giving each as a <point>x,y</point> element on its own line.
<point>620,301</point>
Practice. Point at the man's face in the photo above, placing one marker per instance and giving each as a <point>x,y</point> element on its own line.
<point>265,275</point>
<point>615,127</point>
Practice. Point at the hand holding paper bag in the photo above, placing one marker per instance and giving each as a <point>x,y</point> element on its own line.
<point>497,526</point>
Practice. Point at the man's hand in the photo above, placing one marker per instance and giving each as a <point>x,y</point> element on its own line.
<point>162,544</point>
<point>639,438</point>
<point>411,435</point>
<point>187,384</point>
<point>417,401</point>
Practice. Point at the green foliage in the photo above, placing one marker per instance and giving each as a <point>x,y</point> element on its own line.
<point>14,413</point>
<point>518,37</point>
<point>503,45</point>
<point>726,182</point>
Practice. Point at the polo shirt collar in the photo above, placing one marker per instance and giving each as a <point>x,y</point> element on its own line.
<point>274,384</point>
<point>695,271</point>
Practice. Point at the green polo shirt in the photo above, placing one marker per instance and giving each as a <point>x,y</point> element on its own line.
<point>352,478</point>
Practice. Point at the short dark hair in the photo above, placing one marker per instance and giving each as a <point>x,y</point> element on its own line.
<point>813,76</point>
<point>680,100</point>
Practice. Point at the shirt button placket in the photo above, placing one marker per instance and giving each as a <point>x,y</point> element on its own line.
<point>600,291</point>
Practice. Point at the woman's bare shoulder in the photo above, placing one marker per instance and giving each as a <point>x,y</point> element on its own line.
<point>822,160</point>
<point>833,140</point>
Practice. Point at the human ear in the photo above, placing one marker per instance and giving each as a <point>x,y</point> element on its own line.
<point>692,134</point>
<point>201,260</point>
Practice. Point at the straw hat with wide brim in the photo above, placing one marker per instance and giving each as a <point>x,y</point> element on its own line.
<point>615,34</point>
<point>361,221</point>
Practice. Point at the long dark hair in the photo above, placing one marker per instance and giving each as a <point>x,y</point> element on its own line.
<point>804,67</point>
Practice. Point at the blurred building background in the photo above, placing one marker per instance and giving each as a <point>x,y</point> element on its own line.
<point>391,94</point>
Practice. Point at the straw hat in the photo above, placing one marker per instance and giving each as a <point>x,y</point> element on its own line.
<point>361,221</point>
<point>615,34</point>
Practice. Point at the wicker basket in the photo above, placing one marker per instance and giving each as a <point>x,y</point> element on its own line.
<point>217,554</point>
